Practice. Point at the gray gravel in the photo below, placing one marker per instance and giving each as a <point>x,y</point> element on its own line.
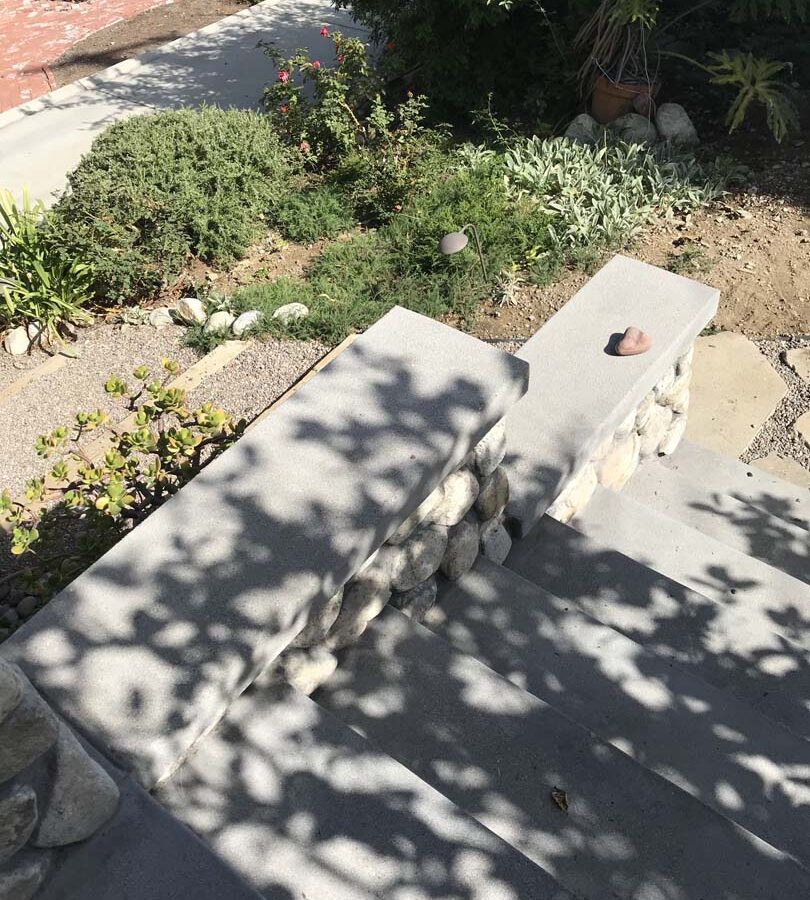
<point>79,385</point>
<point>14,367</point>
<point>248,384</point>
<point>777,434</point>
<point>260,374</point>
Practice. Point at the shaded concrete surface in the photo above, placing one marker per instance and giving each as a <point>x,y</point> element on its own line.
<point>734,391</point>
<point>665,717</point>
<point>555,429</point>
<point>748,483</point>
<point>146,649</point>
<point>143,853</point>
<point>500,753</point>
<point>767,597</point>
<point>221,64</point>
<point>303,806</point>
<point>714,641</point>
<point>739,526</point>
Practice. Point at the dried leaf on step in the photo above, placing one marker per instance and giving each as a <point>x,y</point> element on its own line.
<point>560,798</point>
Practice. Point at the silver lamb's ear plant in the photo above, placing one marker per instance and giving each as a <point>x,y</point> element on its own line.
<point>602,195</point>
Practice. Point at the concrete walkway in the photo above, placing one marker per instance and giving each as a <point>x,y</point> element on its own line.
<point>37,33</point>
<point>41,141</point>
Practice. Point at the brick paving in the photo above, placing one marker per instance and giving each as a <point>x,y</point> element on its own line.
<point>37,32</point>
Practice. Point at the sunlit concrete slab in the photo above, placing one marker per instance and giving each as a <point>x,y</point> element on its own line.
<point>221,64</point>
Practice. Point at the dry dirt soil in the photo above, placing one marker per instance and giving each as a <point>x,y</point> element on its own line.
<point>753,246</point>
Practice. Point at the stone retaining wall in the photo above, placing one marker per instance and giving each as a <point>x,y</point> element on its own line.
<point>464,517</point>
<point>51,792</point>
<point>441,539</point>
<point>655,427</point>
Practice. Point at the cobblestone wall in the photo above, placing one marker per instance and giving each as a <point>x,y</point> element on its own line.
<point>441,539</point>
<point>51,792</point>
<point>656,427</point>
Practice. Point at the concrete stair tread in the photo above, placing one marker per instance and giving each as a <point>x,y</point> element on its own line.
<point>143,853</point>
<point>305,807</point>
<point>717,643</point>
<point>706,741</point>
<point>762,594</point>
<point>555,428</point>
<point>735,523</point>
<point>745,483</point>
<point>498,752</point>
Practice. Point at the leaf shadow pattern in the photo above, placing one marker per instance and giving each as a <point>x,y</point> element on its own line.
<point>149,647</point>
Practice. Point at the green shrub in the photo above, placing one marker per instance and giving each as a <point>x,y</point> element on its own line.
<point>459,52</point>
<point>38,282</point>
<point>399,158</point>
<point>319,108</point>
<point>71,516</point>
<point>157,190</point>
<point>308,216</point>
<point>337,119</point>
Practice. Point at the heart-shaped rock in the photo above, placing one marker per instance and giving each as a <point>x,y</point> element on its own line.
<point>633,342</point>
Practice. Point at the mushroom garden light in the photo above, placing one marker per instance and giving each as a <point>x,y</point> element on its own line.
<point>456,241</point>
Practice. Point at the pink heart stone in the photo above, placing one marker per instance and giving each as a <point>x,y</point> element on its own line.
<point>633,342</point>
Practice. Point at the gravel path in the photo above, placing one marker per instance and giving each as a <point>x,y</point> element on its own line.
<point>14,367</point>
<point>260,374</point>
<point>246,386</point>
<point>777,434</point>
<point>79,385</point>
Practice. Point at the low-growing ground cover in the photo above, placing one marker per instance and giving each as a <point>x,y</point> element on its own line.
<point>332,159</point>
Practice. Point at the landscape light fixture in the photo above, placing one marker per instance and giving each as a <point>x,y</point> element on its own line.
<point>456,241</point>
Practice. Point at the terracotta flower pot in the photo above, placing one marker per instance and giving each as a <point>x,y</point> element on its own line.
<point>611,99</point>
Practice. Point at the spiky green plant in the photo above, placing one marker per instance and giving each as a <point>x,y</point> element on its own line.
<point>38,281</point>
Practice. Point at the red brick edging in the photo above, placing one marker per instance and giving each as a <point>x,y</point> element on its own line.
<point>37,32</point>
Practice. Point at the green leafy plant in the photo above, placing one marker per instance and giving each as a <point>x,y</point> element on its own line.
<point>84,504</point>
<point>601,196</point>
<point>38,282</point>
<point>755,81</point>
<point>319,108</point>
<point>156,191</point>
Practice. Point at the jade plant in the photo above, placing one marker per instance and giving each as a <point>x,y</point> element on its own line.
<point>95,492</point>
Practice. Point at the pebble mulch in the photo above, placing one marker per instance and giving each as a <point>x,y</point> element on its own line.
<point>777,434</point>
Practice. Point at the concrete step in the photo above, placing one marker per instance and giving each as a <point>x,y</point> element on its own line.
<point>706,741</point>
<point>745,483</point>
<point>304,807</point>
<point>767,597</point>
<point>554,430</point>
<point>142,853</point>
<point>716,642</point>
<point>748,529</point>
<point>275,524</point>
<point>502,755</point>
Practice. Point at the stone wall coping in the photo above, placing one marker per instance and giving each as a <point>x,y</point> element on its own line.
<point>147,648</point>
<point>578,392</point>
